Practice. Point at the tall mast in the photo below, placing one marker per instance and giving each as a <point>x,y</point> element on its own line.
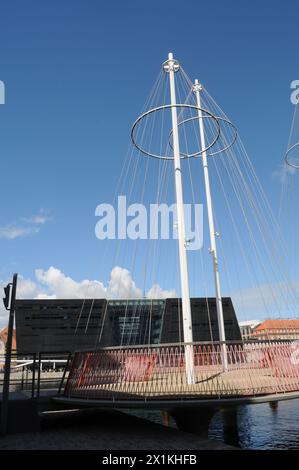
<point>171,66</point>
<point>197,88</point>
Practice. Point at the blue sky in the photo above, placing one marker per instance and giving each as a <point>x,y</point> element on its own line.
<point>76,75</point>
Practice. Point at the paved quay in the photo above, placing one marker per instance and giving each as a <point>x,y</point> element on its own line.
<point>104,430</point>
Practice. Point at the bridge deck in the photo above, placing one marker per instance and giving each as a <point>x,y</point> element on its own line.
<point>159,373</point>
<point>173,384</point>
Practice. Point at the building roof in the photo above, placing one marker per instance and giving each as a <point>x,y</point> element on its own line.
<point>281,323</point>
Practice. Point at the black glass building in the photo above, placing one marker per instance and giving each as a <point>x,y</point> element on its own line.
<point>68,325</point>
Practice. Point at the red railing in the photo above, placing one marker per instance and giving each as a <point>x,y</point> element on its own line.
<point>158,372</point>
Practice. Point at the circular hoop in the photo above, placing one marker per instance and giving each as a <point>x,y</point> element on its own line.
<point>287,156</point>
<point>186,155</point>
<point>168,106</point>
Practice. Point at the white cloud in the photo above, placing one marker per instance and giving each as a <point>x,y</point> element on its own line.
<point>26,289</point>
<point>39,219</point>
<point>61,286</point>
<point>10,232</point>
<point>155,292</point>
<point>25,227</point>
<point>121,285</point>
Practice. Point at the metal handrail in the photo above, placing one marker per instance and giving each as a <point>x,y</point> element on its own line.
<point>194,343</point>
<point>159,373</point>
<point>33,365</point>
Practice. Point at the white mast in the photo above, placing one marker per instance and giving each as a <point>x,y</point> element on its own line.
<point>171,66</point>
<point>197,89</point>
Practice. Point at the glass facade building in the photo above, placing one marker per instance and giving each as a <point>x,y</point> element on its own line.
<point>69,325</point>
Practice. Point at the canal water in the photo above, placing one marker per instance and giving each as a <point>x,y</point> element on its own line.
<point>260,426</point>
<point>263,427</point>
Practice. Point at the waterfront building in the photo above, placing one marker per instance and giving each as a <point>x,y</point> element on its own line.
<point>51,325</point>
<point>279,329</point>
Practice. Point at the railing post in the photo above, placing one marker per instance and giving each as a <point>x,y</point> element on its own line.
<point>33,376</point>
<point>64,373</point>
<point>22,384</point>
<point>38,373</point>
<point>26,377</point>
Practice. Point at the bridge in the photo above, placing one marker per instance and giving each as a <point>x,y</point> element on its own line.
<point>156,375</point>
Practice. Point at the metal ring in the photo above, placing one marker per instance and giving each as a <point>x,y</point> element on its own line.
<point>167,106</point>
<point>287,156</point>
<point>213,153</point>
